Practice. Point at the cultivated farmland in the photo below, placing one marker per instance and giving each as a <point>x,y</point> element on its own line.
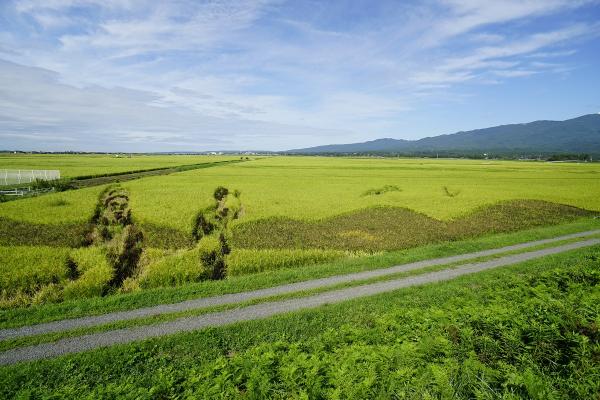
<point>98,164</point>
<point>271,213</point>
<point>157,251</point>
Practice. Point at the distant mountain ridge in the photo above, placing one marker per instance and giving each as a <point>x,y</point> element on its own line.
<point>577,135</point>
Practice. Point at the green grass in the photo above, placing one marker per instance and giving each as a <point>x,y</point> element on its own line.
<point>39,274</point>
<point>74,206</point>
<point>311,188</point>
<point>311,203</point>
<point>279,243</point>
<point>44,338</point>
<point>175,269</point>
<point>390,228</point>
<point>95,164</point>
<point>28,269</point>
<point>20,233</point>
<point>164,237</point>
<point>242,261</point>
<point>526,331</point>
<point>94,273</point>
<point>300,216</point>
<point>125,301</point>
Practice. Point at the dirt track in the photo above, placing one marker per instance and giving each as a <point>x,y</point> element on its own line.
<point>68,324</point>
<point>263,310</point>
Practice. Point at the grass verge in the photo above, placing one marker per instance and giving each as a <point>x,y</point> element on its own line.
<point>51,337</point>
<point>525,331</point>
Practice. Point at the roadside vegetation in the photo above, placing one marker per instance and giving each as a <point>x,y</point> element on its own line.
<point>526,331</point>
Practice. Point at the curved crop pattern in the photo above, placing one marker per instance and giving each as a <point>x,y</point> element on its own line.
<point>393,228</point>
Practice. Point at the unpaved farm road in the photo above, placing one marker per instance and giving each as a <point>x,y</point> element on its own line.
<point>234,298</point>
<point>263,310</point>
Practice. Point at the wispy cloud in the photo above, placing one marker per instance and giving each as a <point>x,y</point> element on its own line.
<point>477,62</point>
<point>232,73</point>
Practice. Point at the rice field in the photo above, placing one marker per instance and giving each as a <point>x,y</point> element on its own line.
<point>76,165</point>
<point>269,213</point>
<point>316,187</point>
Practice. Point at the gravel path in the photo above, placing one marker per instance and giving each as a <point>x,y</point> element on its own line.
<point>263,310</point>
<point>68,324</point>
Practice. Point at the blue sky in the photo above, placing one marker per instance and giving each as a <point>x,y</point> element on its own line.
<point>130,75</point>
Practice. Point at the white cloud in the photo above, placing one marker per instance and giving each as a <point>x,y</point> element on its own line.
<point>229,72</point>
<point>463,68</point>
<point>467,15</point>
<point>167,27</point>
<point>514,73</point>
<point>47,113</point>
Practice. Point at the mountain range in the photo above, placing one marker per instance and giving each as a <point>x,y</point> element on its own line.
<point>577,135</point>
